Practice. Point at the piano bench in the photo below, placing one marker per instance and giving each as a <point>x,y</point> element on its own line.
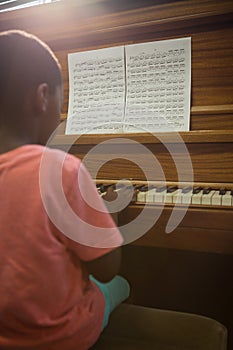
<point>134,327</point>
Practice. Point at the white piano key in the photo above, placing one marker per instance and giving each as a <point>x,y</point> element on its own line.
<point>150,195</point>
<point>176,198</point>
<point>206,198</point>
<point>227,199</point>
<point>216,199</point>
<point>186,198</point>
<point>196,198</point>
<point>169,196</point>
<point>159,196</point>
<point>141,196</point>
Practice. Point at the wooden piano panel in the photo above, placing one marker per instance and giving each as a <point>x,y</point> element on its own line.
<point>211,162</point>
<point>212,117</point>
<point>208,230</point>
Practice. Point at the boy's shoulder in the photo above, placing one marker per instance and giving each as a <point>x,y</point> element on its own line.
<point>45,154</point>
<point>58,158</point>
<point>32,157</point>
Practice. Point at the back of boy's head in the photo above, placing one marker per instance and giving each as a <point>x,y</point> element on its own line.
<point>25,63</point>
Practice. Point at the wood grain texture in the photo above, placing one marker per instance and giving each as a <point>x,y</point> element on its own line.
<point>198,231</point>
<point>212,161</point>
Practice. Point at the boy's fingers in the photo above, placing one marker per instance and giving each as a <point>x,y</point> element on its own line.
<point>110,194</point>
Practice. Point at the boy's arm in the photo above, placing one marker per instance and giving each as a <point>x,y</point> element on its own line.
<point>105,267</point>
<point>92,239</point>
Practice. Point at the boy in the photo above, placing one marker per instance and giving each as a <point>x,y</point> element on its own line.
<point>48,300</point>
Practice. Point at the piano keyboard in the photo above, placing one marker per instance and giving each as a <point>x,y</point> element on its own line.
<point>186,195</point>
<point>196,195</point>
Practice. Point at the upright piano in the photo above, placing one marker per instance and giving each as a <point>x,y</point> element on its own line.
<point>187,266</point>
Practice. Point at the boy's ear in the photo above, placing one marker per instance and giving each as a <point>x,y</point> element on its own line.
<point>42,95</point>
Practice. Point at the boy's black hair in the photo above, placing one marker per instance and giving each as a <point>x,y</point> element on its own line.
<point>25,62</point>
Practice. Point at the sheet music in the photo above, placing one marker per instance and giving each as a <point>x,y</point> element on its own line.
<point>136,88</point>
<point>97,91</point>
<point>158,76</point>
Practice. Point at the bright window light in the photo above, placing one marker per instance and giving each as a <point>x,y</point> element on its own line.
<point>9,5</point>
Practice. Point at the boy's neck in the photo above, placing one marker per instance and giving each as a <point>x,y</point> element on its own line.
<point>10,141</point>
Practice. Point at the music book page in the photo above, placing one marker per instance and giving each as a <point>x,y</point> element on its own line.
<point>158,76</point>
<point>97,91</point>
<point>134,88</point>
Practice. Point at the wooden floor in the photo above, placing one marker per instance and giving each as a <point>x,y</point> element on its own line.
<point>171,279</point>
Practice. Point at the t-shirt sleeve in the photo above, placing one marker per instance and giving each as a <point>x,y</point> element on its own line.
<point>83,221</point>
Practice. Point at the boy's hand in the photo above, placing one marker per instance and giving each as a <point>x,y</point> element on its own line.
<point>117,198</point>
<point>110,194</point>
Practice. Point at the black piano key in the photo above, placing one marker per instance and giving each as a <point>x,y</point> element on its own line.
<point>172,189</point>
<point>103,188</point>
<point>144,188</point>
<point>186,189</point>
<point>100,187</point>
<point>127,187</point>
<point>196,190</point>
<point>161,188</point>
<point>119,186</point>
<point>138,187</point>
<point>206,190</point>
<point>150,187</point>
<point>222,191</point>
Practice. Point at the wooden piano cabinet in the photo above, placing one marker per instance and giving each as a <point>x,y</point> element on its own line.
<point>211,153</point>
<point>191,268</point>
<point>205,229</point>
<point>188,281</point>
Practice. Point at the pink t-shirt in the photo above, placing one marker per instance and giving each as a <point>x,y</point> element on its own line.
<point>51,221</point>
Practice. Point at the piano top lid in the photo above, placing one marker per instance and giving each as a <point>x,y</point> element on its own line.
<point>200,136</point>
